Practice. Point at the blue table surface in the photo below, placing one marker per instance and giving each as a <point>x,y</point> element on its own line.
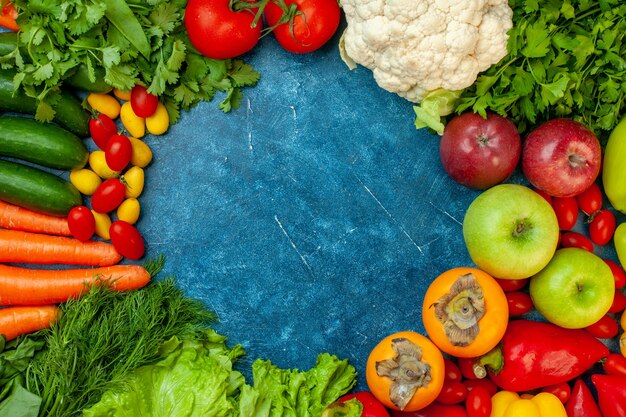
<point>311,219</point>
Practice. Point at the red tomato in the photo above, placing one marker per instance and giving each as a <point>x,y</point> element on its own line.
<point>602,227</point>
<point>143,103</point>
<point>81,222</point>
<point>217,31</point>
<point>619,302</point>
<point>618,273</point>
<point>371,406</point>
<point>590,200</point>
<point>512,284</point>
<point>118,152</point>
<point>452,372</point>
<point>605,328</point>
<point>127,240</point>
<point>519,303</point>
<point>615,364</point>
<point>101,129</point>
<point>305,29</point>
<point>434,410</point>
<point>562,391</point>
<point>576,240</point>
<point>485,383</point>
<point>545,195</point>
<point>466,365</point>
<point>108,196</point>
<point>566,210</point>
<point>453,392</point>
<point>478,403</point>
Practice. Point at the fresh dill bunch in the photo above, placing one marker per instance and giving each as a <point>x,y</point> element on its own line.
<point>103,336</point>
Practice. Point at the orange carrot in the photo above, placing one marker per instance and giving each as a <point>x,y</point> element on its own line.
<point>8,14</point>
<point>19,218</point>
<point>24,286</point>
<point>17,321</point>
<point>24,247</point>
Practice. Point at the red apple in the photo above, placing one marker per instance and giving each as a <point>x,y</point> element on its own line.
<point>561,157</point>
<point>478,152</point>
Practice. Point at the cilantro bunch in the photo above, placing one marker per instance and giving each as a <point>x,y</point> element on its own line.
<point>566,58</point>
<point>125,42</point>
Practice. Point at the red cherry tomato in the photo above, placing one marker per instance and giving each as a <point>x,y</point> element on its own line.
<point>519,303</point>
<point>590,200</point>
<point>101,129</point>
<point>371,406</point>
<point>602,227</point>
<point>576,240</point>
<point>453,392</point>
<point>562,391</point>
<point>545,195</point>
<point>143,103</point>
<point>108,196</point>
<point>118,152</point>
<point>605,328</point>
<point>82,223</point>
<point>615,364</point>
<point>618,273</point>
<point>434,410</point>
<point>566,210</point>
<point>466,365</point>
<point>619,302</point>
<point>452,372</point>
<point>127,240</point>
<point>512,284</point>
<point>478,403</point>
<point>219,32</point>
<point>485,383</point>
<point>315,22</point>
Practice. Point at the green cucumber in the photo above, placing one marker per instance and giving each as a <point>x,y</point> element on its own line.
<point>37,190</point>
<point>41,143</point>
<point>69,112</point>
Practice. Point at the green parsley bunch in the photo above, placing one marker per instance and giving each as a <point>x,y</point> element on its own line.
<point>127,42</point>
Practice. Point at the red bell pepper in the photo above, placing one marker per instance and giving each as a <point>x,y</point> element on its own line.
<point>8,14</point>
<point>611,394</point>
<point>581,402</point>
<point>536,354</point>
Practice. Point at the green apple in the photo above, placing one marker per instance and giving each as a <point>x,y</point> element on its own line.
<point>574,290</point>
<point>510,231</point>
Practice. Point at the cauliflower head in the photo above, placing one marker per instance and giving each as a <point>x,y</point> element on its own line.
<point>414,47</point>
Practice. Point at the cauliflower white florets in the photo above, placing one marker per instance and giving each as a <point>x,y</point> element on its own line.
<point>416,46</point>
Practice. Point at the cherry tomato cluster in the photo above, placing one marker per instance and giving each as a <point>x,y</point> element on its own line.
<point>225,29</point>
<point>115,177</point>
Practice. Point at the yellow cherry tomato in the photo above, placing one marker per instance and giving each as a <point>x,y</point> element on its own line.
<point>98,163</point>
<point>135,125</point>
<point>129,210</point>
<point>622,321</point>
<point>103,224</point>
<point>105,104</point>
<point>159,122</point>
<point>142,154</point>
<point>134,180</point>
<point>121,94</point>
<point>622,344</point>
<point>85,180</point>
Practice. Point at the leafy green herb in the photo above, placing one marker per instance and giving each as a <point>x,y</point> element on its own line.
<point>134,42</point>
<point>15,356</point>
<point>105,335</point>
<point>195,378</point>
<point>566,58</point>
